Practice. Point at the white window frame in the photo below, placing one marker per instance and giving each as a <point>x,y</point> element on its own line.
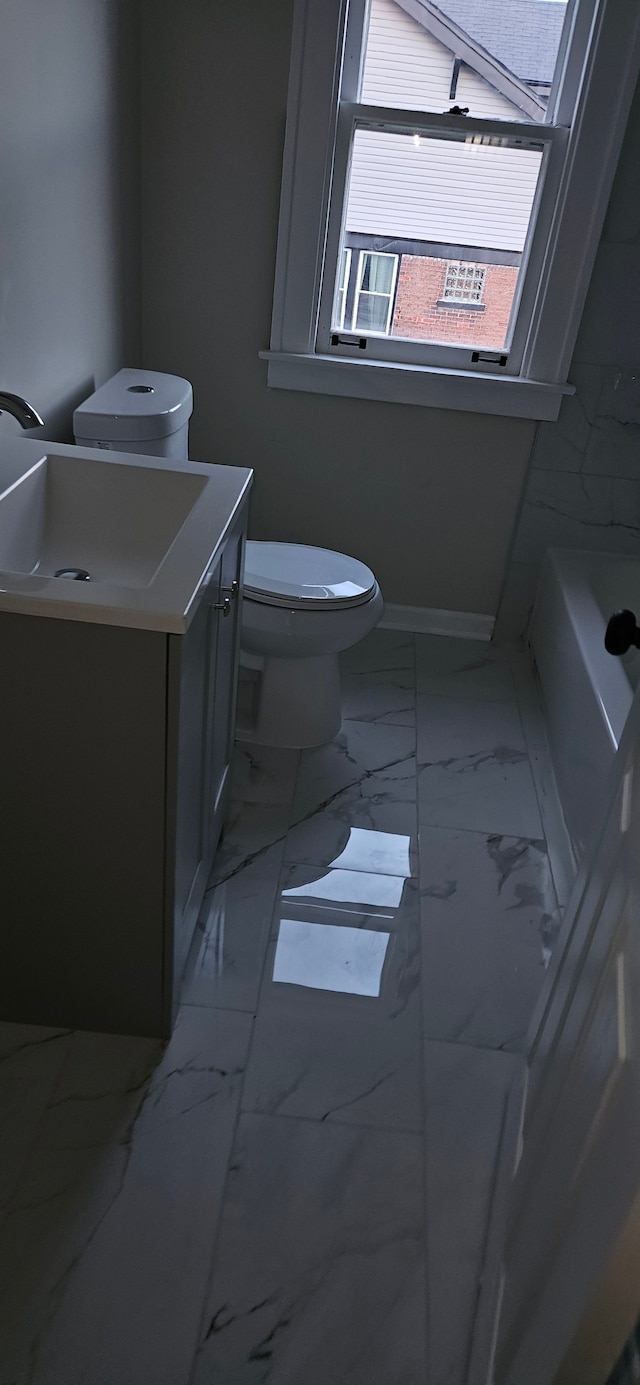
<point>326,56</point>
<point>342,288</point>
<point>390,296</point>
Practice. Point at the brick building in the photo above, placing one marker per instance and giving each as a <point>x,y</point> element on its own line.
<point>467,302</point>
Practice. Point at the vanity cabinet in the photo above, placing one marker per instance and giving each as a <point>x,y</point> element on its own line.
<point>202,680</point>
<point>114,782</point>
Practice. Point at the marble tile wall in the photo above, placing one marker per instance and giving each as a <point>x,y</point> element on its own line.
<point>296,1188</point>
<point>583,488</point>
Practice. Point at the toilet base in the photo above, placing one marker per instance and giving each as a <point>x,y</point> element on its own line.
<point>298,703</point>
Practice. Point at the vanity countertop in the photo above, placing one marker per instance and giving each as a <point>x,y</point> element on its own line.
<point>148,540</point>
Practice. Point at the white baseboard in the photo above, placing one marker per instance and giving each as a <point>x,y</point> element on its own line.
<point>426,620</point>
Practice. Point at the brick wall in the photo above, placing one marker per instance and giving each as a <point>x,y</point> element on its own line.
<point>416,314</point>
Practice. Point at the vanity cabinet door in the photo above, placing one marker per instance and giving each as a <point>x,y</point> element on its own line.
<point>226,641</point>
<point>202,677</point>
<point>187,830</point>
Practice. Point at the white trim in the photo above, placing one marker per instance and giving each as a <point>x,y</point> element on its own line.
<point>343,288</point>
<point>428,620</point>
<point>552,291</point>
<point>395,383</point>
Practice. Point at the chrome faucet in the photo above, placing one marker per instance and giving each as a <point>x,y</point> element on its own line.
<point>15,405</point>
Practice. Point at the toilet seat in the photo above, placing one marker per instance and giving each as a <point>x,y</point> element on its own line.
<point>298,576</point>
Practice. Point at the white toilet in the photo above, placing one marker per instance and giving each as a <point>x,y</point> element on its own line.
<point>301,606</point>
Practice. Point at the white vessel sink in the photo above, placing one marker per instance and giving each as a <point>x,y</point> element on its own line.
<point>145,529</point>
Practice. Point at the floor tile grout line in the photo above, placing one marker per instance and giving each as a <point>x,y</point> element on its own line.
<point>240,1112</point>
<point>412,1132</point>
<point>209,1277</point>
<point>485,832</point>
<point>283,866</point>
<point>478,1047</point>
<point>420,706</point>
<point>280,1116</point>
<point>423,1051</point>
<point>491,1207</point>
<point>351,870</point>
<point>68,1035</point>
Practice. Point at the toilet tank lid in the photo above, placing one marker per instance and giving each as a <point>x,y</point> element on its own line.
<point>134,405</point>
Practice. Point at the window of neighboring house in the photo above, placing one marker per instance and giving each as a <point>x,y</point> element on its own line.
<point>463,283</point>
<point>375,287</point>
<point>375,152</point>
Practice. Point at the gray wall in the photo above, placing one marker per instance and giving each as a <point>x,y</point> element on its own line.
<point>583,489</point>
<point>69,209</point>
<point>426,497</point>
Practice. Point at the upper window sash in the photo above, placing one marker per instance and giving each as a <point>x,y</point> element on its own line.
<point>326,62</point>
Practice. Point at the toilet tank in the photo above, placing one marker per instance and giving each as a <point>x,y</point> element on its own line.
<point>137,411</point>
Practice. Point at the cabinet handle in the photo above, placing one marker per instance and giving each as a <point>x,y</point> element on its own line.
<point>224,606</point>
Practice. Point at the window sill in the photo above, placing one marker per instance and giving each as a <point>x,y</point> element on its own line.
<point>434,387</point>
<point>453,304</point>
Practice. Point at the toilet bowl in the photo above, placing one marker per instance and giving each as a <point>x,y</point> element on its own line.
<point>301,607</point>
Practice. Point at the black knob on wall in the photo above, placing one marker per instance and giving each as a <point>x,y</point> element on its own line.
<point>622,631</point>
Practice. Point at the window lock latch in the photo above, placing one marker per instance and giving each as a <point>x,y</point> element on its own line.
<point>338,340</point>
<point>491,357</point>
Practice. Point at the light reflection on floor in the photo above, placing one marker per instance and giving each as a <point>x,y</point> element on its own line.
<point>350,887</point>
<point>386,851</point>
<point>330,957</point>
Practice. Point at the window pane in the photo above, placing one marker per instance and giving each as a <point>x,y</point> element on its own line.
<point>371,313</point>
<point>415,63</point>
<point>345,260</point>
<point>464,282</point>
<point>428,198</point>
<point>377,273</point>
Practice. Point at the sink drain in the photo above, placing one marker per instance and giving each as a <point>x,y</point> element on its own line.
<point>77,574</point>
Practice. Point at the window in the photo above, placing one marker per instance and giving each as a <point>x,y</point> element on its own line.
<point>374,292</point>
<point>463,283</point>
<point>386,185</point>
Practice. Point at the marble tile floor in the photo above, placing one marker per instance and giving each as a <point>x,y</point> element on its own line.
<point>296,1189</point>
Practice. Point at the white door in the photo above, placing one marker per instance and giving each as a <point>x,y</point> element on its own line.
<point>570,1283</point>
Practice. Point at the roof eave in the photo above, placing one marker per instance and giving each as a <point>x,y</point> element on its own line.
<point>463,46</point>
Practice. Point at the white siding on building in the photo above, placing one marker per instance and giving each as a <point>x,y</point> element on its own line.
<point>406,67</point>
<point>462,194</point>
<point>403,65</point>
<point>439,191</point>
<point>483,100</point>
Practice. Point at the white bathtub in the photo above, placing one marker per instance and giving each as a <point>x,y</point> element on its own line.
<point>587,693</point>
